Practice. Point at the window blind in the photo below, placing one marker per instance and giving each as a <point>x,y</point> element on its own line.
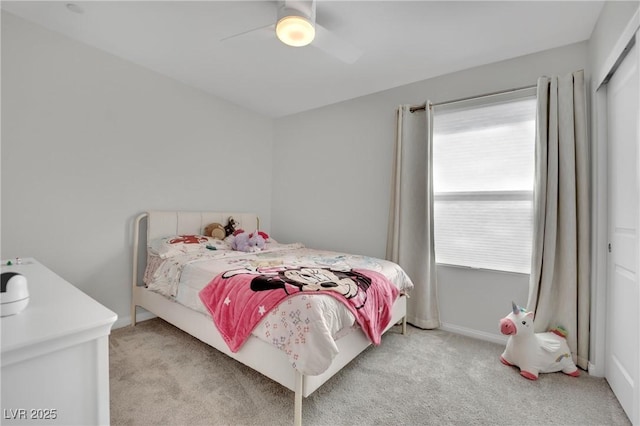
<point>483,174</point>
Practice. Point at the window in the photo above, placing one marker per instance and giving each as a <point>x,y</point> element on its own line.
<point>483,175</point>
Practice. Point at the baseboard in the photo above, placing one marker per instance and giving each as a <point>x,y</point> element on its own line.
<point>595,370</point>
<point>469,332</point>
<point>143,315</point>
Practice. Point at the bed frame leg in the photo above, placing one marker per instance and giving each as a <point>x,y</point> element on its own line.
<point>404,325</point>
<point>133,315</point>
<point>297,409</point>
<point>134,275</point>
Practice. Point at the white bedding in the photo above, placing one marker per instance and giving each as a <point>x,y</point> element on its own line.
<point>305,326</point>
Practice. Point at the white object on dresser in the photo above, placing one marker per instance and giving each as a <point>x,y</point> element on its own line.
<point>14,296</point>
<point>55,354</point>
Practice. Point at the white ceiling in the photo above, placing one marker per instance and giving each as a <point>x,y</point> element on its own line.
<point>402,42</point>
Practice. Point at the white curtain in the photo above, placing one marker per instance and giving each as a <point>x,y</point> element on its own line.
<point>410,233</point>
<point>559,283</point>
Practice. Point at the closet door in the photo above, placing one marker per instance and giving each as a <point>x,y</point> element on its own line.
<point>623,293</point>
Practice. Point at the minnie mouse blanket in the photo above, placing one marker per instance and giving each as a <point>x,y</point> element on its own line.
<point>239,299</point>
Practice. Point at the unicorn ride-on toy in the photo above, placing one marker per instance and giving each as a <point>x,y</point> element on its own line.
<point>534,352</point>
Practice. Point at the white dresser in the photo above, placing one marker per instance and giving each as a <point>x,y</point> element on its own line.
<point>55,354</point>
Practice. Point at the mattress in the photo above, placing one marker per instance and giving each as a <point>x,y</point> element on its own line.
<point>307,326</point>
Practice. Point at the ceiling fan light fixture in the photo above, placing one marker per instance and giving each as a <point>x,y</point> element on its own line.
<point>295,31</point>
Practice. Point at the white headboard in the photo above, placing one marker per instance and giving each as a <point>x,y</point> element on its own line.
<point>167,223</point>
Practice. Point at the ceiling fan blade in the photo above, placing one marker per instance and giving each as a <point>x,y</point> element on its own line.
<point>328,42</point>
<point>262,30</point>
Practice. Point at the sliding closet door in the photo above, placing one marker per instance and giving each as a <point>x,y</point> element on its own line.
<point>623,290</point>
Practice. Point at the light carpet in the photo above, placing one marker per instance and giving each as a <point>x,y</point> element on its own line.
<point>160,375</point>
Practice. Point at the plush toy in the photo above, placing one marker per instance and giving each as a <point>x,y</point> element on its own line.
<point>534,352</point>
<point>215,230</point>
<point>231,226</point>
<point>249,242</point>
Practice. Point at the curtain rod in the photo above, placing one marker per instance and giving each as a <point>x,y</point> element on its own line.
<point>424,106</point>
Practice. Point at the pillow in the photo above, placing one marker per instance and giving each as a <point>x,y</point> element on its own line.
<point>184,244</point>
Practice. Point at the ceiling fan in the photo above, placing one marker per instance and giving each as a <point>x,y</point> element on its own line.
<point>296,26</point>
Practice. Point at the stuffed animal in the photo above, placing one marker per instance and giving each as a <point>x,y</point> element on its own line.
<point>231,226</point>
<point>215,230</point>
<point>534,352</point>
<point>249,242</point>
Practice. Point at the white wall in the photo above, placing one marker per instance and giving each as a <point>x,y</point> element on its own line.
<point>603,48</point>
<point>332,171</point>
<point>89,141</point>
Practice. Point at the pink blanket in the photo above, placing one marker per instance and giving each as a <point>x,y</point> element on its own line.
<point>238,300</point>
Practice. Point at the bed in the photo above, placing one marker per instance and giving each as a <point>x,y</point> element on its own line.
<point>175,284</point>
